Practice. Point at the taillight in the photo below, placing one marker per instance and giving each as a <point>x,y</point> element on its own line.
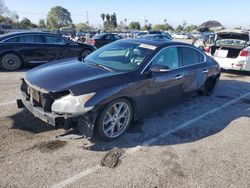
<point>93,42</point>
<point>244,53</point>
<point>207,49</point>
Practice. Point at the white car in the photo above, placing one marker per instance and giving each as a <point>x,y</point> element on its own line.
<point>231,49</point>
<point>180,36</point>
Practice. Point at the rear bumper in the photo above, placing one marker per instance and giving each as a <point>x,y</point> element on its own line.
<point>241,64</point>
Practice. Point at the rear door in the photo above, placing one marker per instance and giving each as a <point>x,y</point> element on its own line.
<point>31,47</point>
<point>56,47</point>
<point>194,67</point>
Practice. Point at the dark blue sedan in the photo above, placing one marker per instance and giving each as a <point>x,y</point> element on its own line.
<point>118,83</point>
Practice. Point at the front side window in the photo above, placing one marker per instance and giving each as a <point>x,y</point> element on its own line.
<point>120,56</point>
<point>191,56</point>
<point>14,39</point>
<point>167,57</point>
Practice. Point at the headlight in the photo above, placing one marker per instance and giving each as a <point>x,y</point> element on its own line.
<point>72,104</point>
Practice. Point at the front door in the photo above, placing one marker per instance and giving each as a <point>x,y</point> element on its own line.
<point>162,89</point>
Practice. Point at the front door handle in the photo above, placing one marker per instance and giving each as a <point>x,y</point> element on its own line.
<point>205,71</point>
<point>178,77</point>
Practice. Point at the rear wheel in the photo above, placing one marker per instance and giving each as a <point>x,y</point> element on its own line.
<point>208,86</point>
<point>85,53</point>
<point>114,119</point>
<point>10,62</point>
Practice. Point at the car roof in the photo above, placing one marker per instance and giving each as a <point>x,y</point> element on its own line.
<point>5,36</point>
<point>157,43</point>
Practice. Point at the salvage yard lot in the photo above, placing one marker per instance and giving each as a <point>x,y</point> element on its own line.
<point>203,142</point>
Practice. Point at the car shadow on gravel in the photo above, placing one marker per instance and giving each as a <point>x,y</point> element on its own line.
<point>24,120</point>
<point>235,73</point>
<point>138,132</point>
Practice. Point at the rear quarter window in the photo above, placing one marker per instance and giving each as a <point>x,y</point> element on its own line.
<point>191,56</point>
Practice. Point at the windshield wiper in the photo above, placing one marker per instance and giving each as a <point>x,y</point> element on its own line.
<point>100,65</point>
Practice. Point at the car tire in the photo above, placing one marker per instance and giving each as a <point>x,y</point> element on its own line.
<point>85,53</point>
<point>208,86</point>
<point>114,119</point>
<point>10,62</point>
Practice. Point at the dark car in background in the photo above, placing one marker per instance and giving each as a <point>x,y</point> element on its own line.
<point>100,40</point>
<point>116,84</point>
<point>156,37</point>
<point>22,48</point>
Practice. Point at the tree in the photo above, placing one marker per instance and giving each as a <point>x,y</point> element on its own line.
<point>184,24</point>
<point>113,21</point>
<point>3,8</point>
<point>165,21</point>
<point>179,28</point>
<point>25,23</point>
<point>103,18</point>
<point>59,17</point>
<point>83,27</point>
<point>134,25</point>
<point>41,23</point>
<point>147,27</point>
<point>190,28</point>
<point>125,20</point>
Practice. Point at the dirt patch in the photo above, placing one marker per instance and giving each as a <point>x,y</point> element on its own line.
<point>246,101</point>
<point>112,158</point>
<point>50,146</point>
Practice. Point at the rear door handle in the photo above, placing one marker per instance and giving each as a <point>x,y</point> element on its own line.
<point>205,71</point>
<point>178,77</point>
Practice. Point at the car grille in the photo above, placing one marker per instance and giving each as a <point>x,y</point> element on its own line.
<point>37,98</point>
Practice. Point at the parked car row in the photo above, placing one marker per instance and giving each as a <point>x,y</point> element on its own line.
<point>23,48</point>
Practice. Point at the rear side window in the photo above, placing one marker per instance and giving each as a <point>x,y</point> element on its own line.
<point>116,37</point>
<point>15,39</point>
<point>191,56</point>
<point>28,39</point>
<point>55,40</point>
<point>108,37</point>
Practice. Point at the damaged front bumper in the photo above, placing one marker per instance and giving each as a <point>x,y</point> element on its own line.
<point>84,123</point>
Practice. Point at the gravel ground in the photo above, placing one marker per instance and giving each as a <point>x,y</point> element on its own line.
<point>213,151</point>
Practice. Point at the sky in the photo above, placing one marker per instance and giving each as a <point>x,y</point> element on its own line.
<point>230,13</point>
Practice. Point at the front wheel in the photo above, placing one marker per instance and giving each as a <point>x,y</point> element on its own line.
<point>114,119</point>
<point>10,62</point>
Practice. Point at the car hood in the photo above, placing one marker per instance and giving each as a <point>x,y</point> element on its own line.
<point>73,75</point>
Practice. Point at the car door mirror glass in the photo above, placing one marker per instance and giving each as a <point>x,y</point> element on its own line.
<point>159,68</point>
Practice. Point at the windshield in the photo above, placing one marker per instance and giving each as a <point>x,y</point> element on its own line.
<point>121,56</point>
<point>231,42</point>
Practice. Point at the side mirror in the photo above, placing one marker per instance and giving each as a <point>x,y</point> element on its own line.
<point>159,68</point>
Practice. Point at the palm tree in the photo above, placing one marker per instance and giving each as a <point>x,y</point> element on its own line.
<point>165,21</point>
<point>103,18</point>
<point>108,20</point>
<point>125,20</point>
